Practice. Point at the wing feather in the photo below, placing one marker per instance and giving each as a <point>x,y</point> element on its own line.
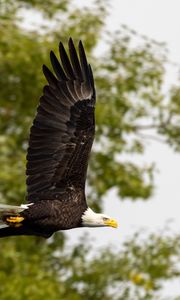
<point>49,76</point>
<point>57,67</point>
<point>65,62</point>
<point>75,61</point>
<point>63,130</point>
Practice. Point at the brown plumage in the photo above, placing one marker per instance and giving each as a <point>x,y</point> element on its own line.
<point>60,142</point>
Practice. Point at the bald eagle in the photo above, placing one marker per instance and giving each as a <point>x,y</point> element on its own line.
<point>60,142</point>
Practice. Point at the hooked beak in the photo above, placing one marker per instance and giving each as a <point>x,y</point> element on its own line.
<point>111,223</point>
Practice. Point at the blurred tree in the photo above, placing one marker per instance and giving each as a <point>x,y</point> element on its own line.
<point>33,269</point>
<point>130,103</point>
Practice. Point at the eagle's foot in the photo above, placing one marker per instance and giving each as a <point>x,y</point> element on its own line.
<point>14,221</point>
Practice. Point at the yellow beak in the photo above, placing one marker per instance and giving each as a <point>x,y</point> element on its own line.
<point>111,223</point>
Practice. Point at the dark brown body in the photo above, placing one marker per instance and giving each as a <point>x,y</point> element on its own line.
<point>48,216</point>
<point>45,217</point>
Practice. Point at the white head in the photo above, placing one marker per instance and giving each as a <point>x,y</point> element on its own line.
<point>92,219</point>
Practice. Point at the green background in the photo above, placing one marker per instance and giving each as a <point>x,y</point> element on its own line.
<point>130,99</point>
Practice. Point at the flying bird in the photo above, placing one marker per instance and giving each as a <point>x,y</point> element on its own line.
<point>60,143</point>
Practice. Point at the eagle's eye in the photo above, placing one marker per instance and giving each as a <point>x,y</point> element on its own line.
<point>105,219</point>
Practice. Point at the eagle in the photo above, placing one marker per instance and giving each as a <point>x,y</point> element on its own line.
<point>60,143</point>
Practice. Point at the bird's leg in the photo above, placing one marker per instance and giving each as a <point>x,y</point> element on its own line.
<point>14,221</point>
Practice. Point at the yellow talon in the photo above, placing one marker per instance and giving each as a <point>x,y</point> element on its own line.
<point>14,219</point>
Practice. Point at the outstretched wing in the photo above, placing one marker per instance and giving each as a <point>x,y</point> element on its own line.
<point>63,130</point>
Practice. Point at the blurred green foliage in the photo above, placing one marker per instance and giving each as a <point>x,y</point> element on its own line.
<point>130,102</point>
<point>32,268</point>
